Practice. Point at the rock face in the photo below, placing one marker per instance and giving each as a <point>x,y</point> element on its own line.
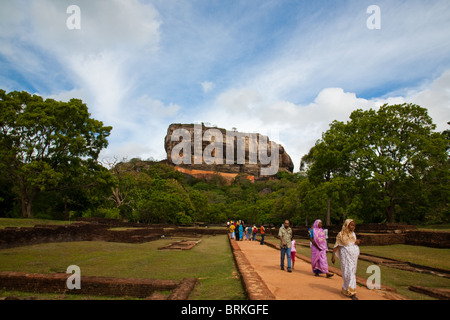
<point>200,151</point>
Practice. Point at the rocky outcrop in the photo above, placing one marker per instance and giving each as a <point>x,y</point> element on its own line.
<point>201,151</point>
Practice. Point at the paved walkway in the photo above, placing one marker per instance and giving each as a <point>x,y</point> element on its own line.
<point>301,284</point>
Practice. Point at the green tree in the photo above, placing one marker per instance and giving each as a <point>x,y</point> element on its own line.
<point>162,201</point>
<point>328,159</point>
<point>46,143</point>
<point>383,150</point>
<point>200,204</point>
<point>393,145</point>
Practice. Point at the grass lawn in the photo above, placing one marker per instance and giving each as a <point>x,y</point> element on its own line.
<point>211,261</point>
<point>398,279</point>
<point>432,257</point>
<point>435,227</point>
<point>16,222</point>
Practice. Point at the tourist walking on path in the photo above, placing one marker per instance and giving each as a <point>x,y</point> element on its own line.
<point>347,250</point>
<point>232,231</point>
<point>263,233</point>
<point>249,233</point>
<point>319,248</point>
<point>285,235</point>
<point>241,232</point>
<point>254,232</point>
<point>293,252</point>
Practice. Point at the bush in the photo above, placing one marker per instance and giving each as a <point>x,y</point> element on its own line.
<point>109,213</point>
<point>183,219</point>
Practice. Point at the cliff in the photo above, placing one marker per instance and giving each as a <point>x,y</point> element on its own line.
<point>201,151</point>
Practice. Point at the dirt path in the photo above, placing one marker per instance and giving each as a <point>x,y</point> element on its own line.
<point>301,284</point>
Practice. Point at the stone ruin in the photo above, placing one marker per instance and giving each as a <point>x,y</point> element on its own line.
<point>181,245</point>
<point>98,229</point>
<point>97,286</point>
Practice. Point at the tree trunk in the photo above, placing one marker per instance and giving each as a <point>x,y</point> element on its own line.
<point>27,202</point>
<point>23,202</point>
<point>390,211</point>
<point>66,214</point>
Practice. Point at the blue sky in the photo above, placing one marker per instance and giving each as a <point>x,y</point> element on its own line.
<point>283,68</point>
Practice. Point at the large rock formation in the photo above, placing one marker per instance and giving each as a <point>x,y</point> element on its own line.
<point>202,151</point>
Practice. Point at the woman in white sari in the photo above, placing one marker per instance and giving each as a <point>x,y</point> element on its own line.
<point>347,250</point>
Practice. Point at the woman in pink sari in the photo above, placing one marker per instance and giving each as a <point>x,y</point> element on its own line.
<point>319,250</point>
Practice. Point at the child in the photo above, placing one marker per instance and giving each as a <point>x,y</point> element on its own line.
<point>293,251</point>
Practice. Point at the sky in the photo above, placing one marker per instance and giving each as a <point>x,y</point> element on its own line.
<point>283,68</point>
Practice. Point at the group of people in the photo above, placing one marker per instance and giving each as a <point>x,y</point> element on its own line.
<point>240,232</point>
<point>346,249</point>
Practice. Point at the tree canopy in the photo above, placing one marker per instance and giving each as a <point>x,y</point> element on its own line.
<point>389,154</point>
<point>381,165</point>
<point>47,144</point>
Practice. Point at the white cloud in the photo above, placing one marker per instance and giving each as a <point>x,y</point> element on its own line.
<point>300,126</point>
<point>314,77</point>
<point>126,150</point>
<point>436,98</point>
<point>207,86</point>
<point>103,76</point>
<point>296,127</point>
<point>102,64</point>
<point>139,68</point>
<point>339,51</point>
<point>105,25</point>
<point>155,108</point>
<point>98,59</point>
<point>67,95</point>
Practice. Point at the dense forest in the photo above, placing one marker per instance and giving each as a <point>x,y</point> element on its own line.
<point>384,165</point>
